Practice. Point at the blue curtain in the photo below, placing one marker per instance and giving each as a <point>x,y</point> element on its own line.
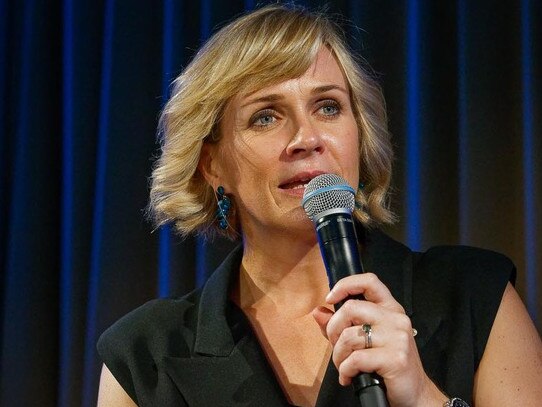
<point>81,87</point>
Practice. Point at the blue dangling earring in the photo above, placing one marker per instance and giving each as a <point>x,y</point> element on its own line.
<point>224,205</point>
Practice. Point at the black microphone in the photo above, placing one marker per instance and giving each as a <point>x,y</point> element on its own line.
<point>329,201</point>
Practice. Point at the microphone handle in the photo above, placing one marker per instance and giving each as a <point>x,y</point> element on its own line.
<point>368,387</point>
<point>339,249</point>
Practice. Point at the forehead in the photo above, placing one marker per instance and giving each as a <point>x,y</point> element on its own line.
<point>324,71</point>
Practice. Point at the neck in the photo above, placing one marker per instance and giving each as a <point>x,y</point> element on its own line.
<point>280,274</point>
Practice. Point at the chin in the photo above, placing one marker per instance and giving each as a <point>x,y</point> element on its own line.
<point>299,221</point>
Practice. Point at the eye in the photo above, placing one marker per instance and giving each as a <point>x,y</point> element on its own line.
<point>263,118</point>
<point>329,108</point>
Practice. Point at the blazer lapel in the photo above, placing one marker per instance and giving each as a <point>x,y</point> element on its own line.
<point>227,366</point>
<point>239,379</point>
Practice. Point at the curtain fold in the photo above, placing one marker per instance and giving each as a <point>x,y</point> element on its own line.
<point>81,87</point>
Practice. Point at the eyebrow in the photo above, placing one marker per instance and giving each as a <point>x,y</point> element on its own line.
<point>325,88</point>
<point>267,99</point>
<point>276,97</point>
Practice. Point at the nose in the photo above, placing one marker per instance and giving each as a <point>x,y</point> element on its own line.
<point>306,140</point>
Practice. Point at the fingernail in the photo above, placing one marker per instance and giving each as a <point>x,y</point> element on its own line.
<point>329,295</point>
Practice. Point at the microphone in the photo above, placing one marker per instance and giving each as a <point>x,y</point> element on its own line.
<point>329,201</point>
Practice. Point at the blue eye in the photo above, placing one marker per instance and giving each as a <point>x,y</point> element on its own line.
<point>263,118</point>
<point>330,108</point>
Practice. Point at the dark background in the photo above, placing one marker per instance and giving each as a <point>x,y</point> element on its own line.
<point>81,87</point>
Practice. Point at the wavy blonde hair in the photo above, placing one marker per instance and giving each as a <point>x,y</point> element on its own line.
<point>265,47</point>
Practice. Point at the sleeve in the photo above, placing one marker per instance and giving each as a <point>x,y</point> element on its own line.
<point>128,350</point>
<point>116,347</point>
<point>486,275</point>
<point>135,346</point>
<point>457,293</point>
<point>465,285</point>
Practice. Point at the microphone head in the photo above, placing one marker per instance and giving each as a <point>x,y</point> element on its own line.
<point>327,192</point>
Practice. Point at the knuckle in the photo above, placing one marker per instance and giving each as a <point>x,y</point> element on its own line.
<point>403,337</point>
<point>371,278</point>
<point>349,306</point>
<point>401,309</point>
<point>401,359</point>
<point>351,335</point>
<point>357,357</point>
<point>355,363</point>
<point>346,366</point>
<point>403,322</point>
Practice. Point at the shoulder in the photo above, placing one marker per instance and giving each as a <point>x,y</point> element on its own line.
<point>456,293</point>
<point>468,266</point>
<point>133,347</point>
<point>150,325</point>
<point>137,347</point>
<point>462,277</point>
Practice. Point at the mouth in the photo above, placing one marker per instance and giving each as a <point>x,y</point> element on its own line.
<point>299,181</point>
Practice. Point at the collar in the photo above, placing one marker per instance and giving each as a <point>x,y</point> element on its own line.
<point>390,260</point>
<point>213,331</point>
<point>228,363</point>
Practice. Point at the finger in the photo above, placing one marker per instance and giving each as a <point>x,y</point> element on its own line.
<point>360,361</point>
<point>322,315</point>
<point>351,339</point>
<point>367,284</point>
<point>387,362</point>
<point>398,337</point>
<point>369,361</point>
<point>353,312</point>
<point>359,312</point>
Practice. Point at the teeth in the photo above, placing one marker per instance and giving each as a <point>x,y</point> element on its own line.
<point>299,184</point>
<point>296,185</point>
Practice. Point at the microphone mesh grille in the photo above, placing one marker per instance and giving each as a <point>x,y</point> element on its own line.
<point>321,199</point>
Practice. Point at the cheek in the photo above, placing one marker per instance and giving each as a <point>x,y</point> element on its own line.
<point>258,155</point>
<point>250,165</point>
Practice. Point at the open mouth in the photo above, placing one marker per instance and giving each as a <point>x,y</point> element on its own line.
<point>300,181</point>
<point>301,184</point>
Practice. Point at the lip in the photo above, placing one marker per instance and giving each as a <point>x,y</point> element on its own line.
<point>304,176</point>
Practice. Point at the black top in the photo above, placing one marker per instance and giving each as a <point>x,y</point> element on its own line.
<point>200,350</point>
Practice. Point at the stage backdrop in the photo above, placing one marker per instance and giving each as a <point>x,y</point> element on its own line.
<point>81,87</point>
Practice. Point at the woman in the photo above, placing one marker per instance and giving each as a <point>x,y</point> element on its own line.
<point>270,102</point>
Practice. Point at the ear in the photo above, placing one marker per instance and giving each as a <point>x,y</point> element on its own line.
<point>208,166</point>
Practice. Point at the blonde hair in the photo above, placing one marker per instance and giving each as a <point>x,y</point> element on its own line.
<point>267,46</point>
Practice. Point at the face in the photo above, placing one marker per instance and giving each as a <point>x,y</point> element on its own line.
<point>275,140</point>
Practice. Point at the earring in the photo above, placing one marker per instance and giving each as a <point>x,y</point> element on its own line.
<point>361,185</point>
<point>224,205</point>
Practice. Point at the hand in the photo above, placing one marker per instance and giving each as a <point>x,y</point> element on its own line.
<point>393,355</point>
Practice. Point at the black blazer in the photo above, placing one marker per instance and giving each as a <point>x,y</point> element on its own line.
<point>199,350</point>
